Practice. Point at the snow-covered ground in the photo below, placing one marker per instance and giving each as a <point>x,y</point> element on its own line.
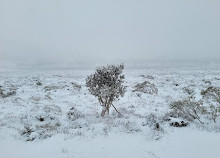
<point>53,115</point>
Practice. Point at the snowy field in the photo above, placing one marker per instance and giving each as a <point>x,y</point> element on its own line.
<point>51,114</point>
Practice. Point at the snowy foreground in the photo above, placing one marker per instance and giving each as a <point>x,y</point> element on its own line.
<point>50,114</point>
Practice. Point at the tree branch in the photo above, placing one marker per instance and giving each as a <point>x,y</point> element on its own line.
<point>116,110</point>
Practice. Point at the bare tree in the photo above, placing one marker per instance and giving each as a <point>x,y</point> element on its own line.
<point>107,85</point>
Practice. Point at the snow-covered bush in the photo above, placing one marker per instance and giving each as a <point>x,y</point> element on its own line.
<point>147,77</point>
<point>107,85</point>
<point>189,90</point>
<point>4,94</point>
<point>74,114</point>
<point>211,96</point>
<point>27,132</point>
<point>150,120</point>
<point>46,130</point>
<point>131,127</point>
<point>76,86</point>
<point>145,87</point>
<point>40,130</point>
<point>40,121</point>
<point>188,109</point>
<point>153,121</point>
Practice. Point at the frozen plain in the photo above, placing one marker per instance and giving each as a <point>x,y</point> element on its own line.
<point>35,122</point>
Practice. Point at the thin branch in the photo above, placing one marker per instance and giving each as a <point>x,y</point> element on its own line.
<point>117,110</point>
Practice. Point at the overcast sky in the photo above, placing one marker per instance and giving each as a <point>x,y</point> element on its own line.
<point>56,31</point>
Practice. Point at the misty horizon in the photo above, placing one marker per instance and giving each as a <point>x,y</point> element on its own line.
<point>36,32</point>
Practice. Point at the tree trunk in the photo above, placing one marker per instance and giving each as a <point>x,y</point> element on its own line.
<point>107,111</point>
<point>104,109</point>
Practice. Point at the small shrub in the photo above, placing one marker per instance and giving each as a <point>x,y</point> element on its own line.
<point>188,109</point>
<point>27,132</point>
<point>189,90</point>
<point>131,127</point>
<point>151,120</point>
<point>145,87</point>
<point>214,112</point>
<point>76,86</point>
<point>52,109</point>
<point>207,82</point>
<point>74,114</point>
<point>147,77</point>
<point>212,93</point>
<point>211,96</point>
<point>2,92</point>
<point>8,94</point>
<point>54,87</point>
<point>168,115</point>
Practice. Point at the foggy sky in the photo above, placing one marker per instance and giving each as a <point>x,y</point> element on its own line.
<point>59,31</point>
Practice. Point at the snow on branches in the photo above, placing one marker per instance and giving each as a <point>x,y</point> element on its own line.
<point>107,85</point>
